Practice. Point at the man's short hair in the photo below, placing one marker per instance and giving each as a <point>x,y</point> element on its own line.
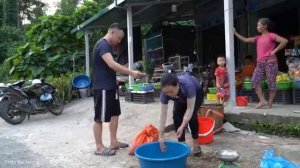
<point>115,26</point>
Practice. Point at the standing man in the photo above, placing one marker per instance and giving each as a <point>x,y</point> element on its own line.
<point>106,98</point>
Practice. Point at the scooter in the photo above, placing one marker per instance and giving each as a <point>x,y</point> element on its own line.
<point>18,101</point>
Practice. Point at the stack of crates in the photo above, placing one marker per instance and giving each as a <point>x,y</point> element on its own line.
<point>253,98</point>
<point>128,96</point>
<point>143,97</point>
<point>296,96</point>
<point>140,93</point>
<point>157,89</point>
<point>247,90</point>
<point>212,95</point>
<point>282,96</point>
<point>296,92</point>
<point>139,97</point>
<point>157,92</point>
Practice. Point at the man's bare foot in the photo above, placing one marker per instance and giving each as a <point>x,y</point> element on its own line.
<point>268,106</point>
<point>260,105</point>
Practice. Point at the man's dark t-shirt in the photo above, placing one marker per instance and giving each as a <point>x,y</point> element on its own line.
<point>103,76</point>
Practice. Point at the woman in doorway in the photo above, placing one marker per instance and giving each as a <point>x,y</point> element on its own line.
<point>247,70</point>
<point>187,94</point>
<point>267,65</point>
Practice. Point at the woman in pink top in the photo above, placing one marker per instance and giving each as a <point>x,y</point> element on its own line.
<point>267,66</point>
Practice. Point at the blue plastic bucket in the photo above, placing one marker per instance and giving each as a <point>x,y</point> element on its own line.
<point>150,155</point>
<point>81,82</point>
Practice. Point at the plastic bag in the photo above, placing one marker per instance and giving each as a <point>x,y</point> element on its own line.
<point>149,134</point>
<point>270,160</point>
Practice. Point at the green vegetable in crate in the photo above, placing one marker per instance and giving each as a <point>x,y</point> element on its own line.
<point>157,86</point>
<point>283,78</point>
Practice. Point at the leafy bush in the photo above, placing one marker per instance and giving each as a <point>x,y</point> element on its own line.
<point>292,130</point>
<point>63,85</point>
<point>50,45</point>
<point>4,73</point>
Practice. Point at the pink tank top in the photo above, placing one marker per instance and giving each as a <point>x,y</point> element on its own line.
<point>265,44</point>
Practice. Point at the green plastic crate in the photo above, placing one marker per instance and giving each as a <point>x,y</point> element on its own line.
<point>283,85</point>
<point>247,86</point>
<point>134,87</point>
<point>212,90</point>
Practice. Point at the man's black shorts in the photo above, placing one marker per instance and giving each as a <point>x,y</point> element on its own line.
<point>107,105</point>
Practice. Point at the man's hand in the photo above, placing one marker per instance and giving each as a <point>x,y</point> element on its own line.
<point>162,144</point>
<point>137,74</point>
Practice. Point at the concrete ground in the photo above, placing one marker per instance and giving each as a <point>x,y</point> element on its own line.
<point>67,141</point>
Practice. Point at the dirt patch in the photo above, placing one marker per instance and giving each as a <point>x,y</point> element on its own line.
<point>207,160</point>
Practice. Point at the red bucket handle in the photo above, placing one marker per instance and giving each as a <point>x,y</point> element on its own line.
<point>217,113</point>
<point>210,131</point>
<point>242,97</point>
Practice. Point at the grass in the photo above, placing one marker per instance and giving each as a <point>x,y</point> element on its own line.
<point>287,130</point>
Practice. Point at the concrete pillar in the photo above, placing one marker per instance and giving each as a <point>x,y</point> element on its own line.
<point>229,41</point>
<point>130,42</point>
<point>87,53</point>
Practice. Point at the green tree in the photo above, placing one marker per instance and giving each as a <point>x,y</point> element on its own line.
<point>12,18</point>
<point>1,12</point>
<point>50,45</point>
<point>14,12</point>
<point>67,7</point>
<point>5,12</point>
<point>30,10</point>
<point>104,2</point>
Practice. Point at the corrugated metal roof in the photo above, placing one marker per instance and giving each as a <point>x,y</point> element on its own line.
<point>143,12</point>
